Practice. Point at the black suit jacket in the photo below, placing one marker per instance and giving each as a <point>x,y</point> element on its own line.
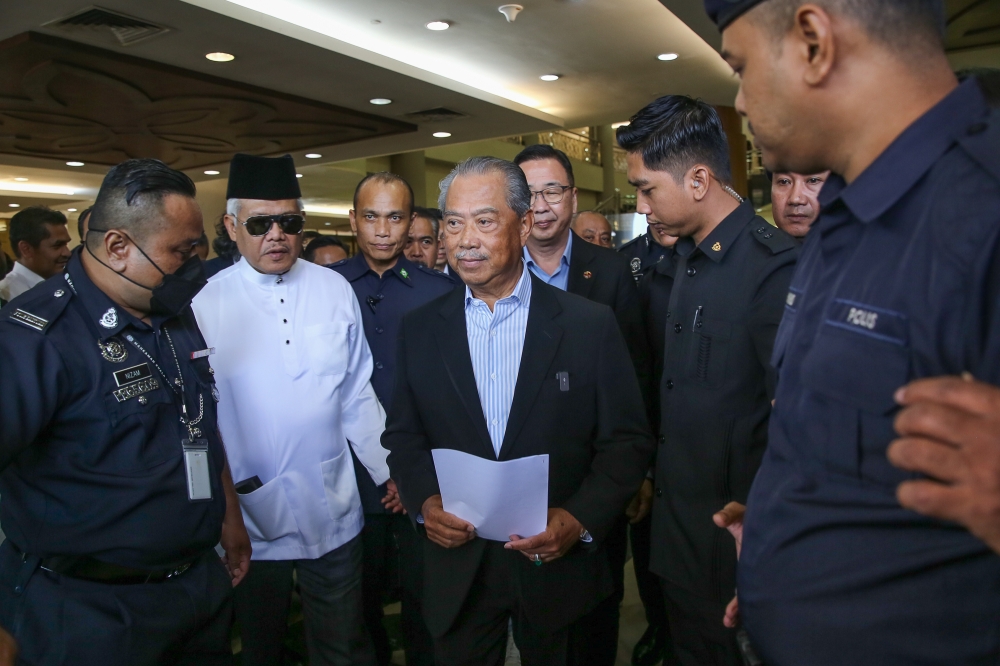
<point>595,434</point>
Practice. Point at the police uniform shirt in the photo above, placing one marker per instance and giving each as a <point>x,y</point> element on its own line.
<point>91,435</point>
<point>899,280</point>
<point>643,254</point>
<point>383,301</point>
<point>712,313</point>
<point>293,370</point>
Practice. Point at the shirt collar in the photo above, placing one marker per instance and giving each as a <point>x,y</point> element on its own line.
<point>909,156</point>
<point>357,267</point>
<point>253,276</point>
<point>30,276</point>
<point>563,261</point>
<point>717,243</point>
<point>108,317</point>
<point>521,294</point>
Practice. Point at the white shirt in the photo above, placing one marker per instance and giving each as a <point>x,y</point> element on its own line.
<point>292,367</point>
<point>19,280</point>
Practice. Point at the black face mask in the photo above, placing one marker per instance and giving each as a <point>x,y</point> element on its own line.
<point>177,289</point>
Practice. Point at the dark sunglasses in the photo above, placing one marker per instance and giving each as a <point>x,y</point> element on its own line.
<point>258,225</point>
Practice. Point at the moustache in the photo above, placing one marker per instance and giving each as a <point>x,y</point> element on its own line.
<point>471,254</point>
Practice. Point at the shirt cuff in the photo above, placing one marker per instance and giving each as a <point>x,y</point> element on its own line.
<point>420,518</point>
<point>585,537</point>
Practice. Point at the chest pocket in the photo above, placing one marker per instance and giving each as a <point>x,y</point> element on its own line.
<point>328,348</point>
<point>859,358</point>
<point>706,358</point>
<point>145,433</point>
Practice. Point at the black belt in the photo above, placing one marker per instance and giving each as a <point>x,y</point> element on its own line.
<point>84,567</point>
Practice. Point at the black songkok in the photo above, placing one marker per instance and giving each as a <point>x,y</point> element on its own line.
<point>268,178</point>
<point>724,12</point>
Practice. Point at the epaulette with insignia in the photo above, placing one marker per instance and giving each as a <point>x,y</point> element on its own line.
<point>39,307</point>
<point>981,141</point>
<point>771,237</point>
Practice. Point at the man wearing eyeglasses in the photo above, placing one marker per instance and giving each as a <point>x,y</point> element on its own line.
<point>293,372</point>
<point>561,258</point>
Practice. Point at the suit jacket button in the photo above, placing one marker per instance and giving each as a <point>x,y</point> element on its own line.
<point>670,384</point>
<point>659,492</point>
<point>678,328</point>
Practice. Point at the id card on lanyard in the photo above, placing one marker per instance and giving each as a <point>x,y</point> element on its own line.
<point>197,466</point>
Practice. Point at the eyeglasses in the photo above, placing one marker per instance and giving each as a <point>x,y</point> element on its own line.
<point>258,225</point>
<point>552,195</point>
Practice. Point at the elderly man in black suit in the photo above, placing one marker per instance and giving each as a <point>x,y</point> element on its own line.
<point>506,368</point>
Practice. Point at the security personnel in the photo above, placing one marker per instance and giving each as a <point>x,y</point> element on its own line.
<point>899,281</point>
<point>115,485</point>
<point>712,308</point>
<point>388,285</point>
<point>645,252</point>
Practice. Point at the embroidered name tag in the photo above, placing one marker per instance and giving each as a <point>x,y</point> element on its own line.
<point>874,322</point>
<point>136,388</point>
<point>133,374</point>
<point>29,320</point>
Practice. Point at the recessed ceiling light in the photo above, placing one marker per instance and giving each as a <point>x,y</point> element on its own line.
<point>74,164</point>
<point>21,180</point>
<point>549,77</point>
<point>441,135</point>
<point>298,175</point>
<point>219,56</point>
<point>667,56</point>
<point>14,205</point>
<point>438,25</point>
<point>211,172</point>
<point>380,101</point>
<point>329,224</point>
<point>621,124</point>
<point>71,210</point>
<point>313,156</point>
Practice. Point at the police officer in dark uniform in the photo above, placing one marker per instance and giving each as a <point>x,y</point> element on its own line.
<point>712,308</point>
<point>644,252</point>
<point>388,285</point>
<point>899,280</point>
<point>115,485</point>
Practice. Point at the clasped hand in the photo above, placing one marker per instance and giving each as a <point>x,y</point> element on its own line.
<point>561,533</point>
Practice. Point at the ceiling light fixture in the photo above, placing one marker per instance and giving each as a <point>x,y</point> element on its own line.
<point>380,101</point>
<point>37,188</point>
<point>441,135</point>
<point>313,156</point>
<point>211,172</point>
<point>667,56</point>
<point>71,210</point>
<point>14,205</point>
<point>298,175</point>
<point>21,180</point>
<point>439,25</point>
<point>329,224</point>
<point>219,56</point>
<point>621,124</point>
<point>549,77</point>
<point>510,12</point>
<point>74,164</point>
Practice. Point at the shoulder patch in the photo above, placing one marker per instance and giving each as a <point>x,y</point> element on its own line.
<point>771,237</point>
<point>981,140</point>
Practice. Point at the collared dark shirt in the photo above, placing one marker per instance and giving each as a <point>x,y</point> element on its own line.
<point>712,312</point>
<point>898,280</point>
<point>383,301</point>
<point>87,473</point>
<point>643,254</point>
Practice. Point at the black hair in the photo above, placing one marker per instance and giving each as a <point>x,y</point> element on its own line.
<point>309,254</point>
<point>81,218</point>
<point>541,151</point>
<point>203,241</point>
<point>434,215</point>
<point>383,178</point>
<point>130,193</point>
<point>676,132</point>
<point>31,226</point>
<point>223,245</point>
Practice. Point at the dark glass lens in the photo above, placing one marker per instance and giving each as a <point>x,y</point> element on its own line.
<point>258,225</point>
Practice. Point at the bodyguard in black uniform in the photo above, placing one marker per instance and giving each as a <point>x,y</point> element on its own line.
<point>388,285</point>
<point>115,485</point>
<point>899,281</point>
<point>712,308</point>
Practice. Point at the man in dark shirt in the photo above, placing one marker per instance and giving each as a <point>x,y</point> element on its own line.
<point>115,484</point>
<point>388,285</point>
<point>712,308</point>
<point>795,201</point>
<point>898,282</point>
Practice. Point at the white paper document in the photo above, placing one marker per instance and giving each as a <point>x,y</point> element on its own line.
<point>498,498</point>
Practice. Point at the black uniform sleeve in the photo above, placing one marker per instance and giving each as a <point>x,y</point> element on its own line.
<point>766,311</point>
<point>623,445</point>
<point>33,382</point>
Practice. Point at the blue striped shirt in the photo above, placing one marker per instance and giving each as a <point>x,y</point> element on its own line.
<point>560,278</point>
<point>496,340</point>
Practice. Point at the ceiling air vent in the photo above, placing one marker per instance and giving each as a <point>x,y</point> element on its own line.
<point>437,115</point>
<point>126,29</point>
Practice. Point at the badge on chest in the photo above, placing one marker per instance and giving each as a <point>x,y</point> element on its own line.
<point>133,382</point>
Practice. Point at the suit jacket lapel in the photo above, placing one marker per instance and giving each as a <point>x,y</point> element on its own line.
<point>454,344</point>
<point>580,257</point>
<point>541,341</point>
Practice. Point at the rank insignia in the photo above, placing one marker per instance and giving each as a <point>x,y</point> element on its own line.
<point>636,264</point>
<point>29,320</point>
<point>404,273</point>
<point>717,247</point>
<point>109,319</point>
<point>113,350</point>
